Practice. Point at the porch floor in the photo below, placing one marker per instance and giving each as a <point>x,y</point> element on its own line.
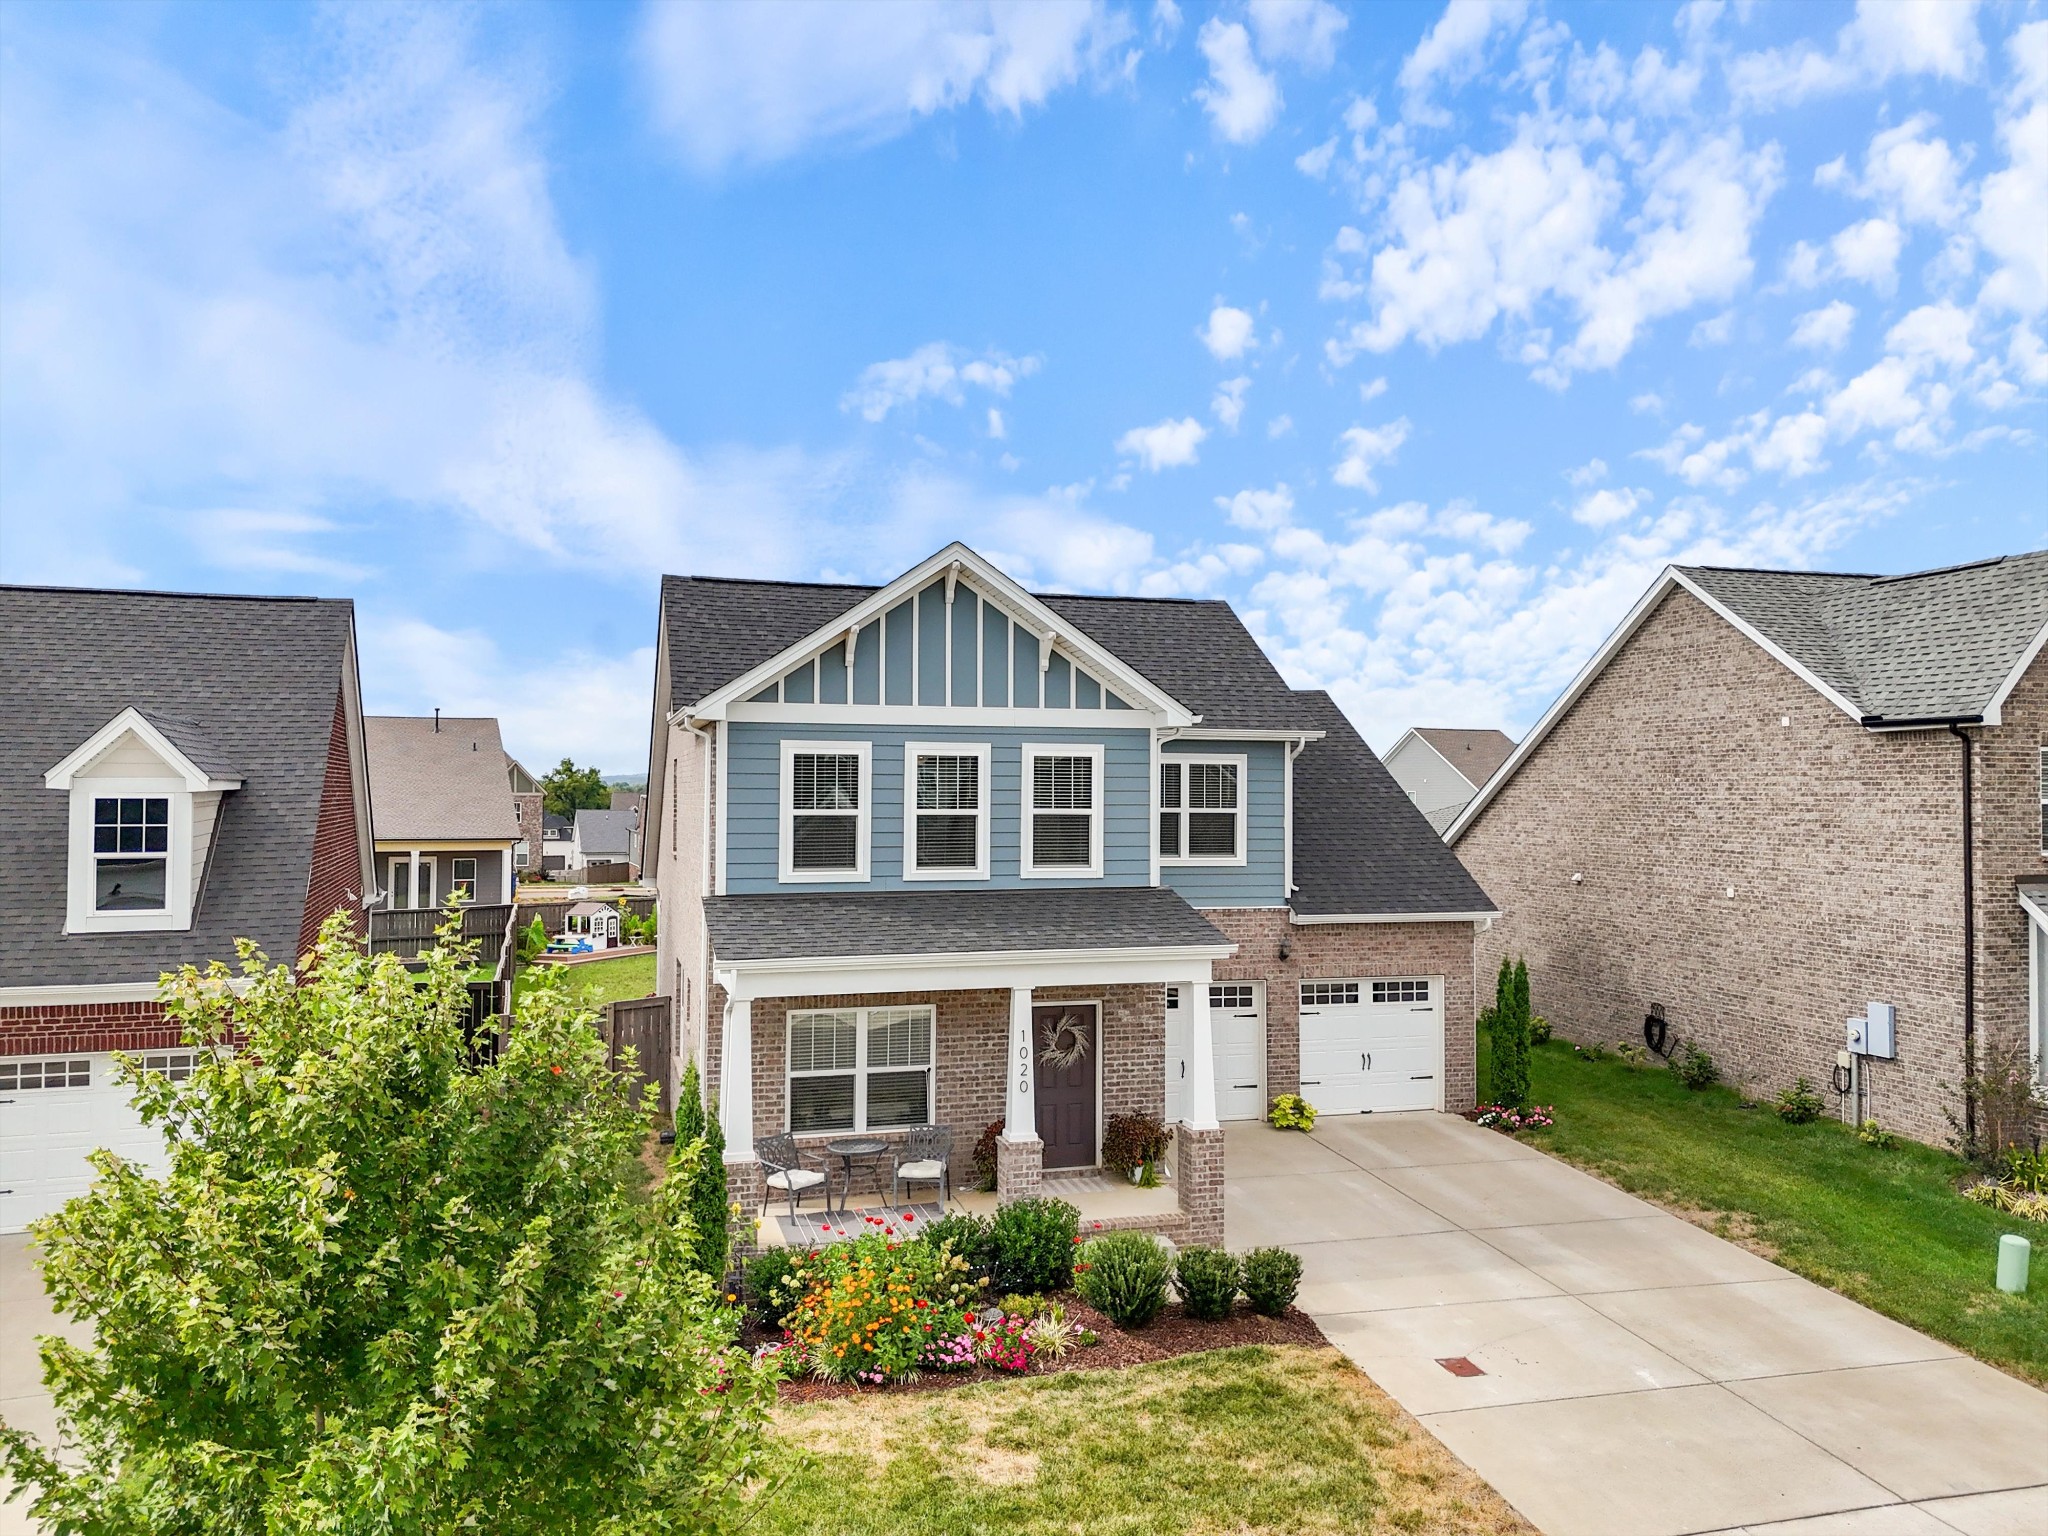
<point>1095,1195</point>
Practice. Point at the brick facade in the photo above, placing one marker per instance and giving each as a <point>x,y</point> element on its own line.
<point>335,877</point>
<point>1762,866</point>
<point>527,810</point>
<point>73,1027</point>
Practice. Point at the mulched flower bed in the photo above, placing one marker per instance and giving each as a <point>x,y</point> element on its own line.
<point>1171,1333</point>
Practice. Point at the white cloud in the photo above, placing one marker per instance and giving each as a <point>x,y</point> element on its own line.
<point>1825,329</point>
<point>1279,426</point>
<point>1886,38</point>
<point>1228,333</point>
<point>1934,335</point>
<point>996,428</point>
<point>1302,32</point>
<point>1914,175</point>
<point>1365,449</point>
<point>1454,50</point>
<point>1647,404</point>
<point>1168,445</point>
<point>1166,21</point>
<point>1316,162</point>
<point>1242,100</point>
<point>1592,472</point>
<point>2012,209</point>
<point>736,85</point>
<point>1372,389</point>
<point>1227,404</point>
<point>1264,511</point>
<point>1869,253</point>
<point>1607,506</point>
<point>1715,330</point>
<point>937,370</point>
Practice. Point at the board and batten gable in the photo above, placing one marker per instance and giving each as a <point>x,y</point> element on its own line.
<point>753,784</point>
<point>1261,880</point>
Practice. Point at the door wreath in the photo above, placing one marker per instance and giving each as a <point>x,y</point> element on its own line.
<point>1064,1042</point>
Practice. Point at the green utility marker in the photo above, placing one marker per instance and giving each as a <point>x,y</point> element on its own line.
<point>2013,1253</point>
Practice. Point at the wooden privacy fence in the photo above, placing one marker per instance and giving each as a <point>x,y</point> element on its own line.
<point>645,1024</point>
<point>554,915</point>
<point>409,932</point>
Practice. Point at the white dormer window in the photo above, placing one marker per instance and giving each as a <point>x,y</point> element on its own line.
<point>143,812</point>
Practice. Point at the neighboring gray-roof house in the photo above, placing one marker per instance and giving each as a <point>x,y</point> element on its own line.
<point>177,772</point>
<point>446,817</point>
<point>1751,808</point>
<point>606,837</point>
<point>1098,814</point>
<point>1442,768</point>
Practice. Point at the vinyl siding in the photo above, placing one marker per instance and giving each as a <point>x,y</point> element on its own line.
<point>1258,881</point>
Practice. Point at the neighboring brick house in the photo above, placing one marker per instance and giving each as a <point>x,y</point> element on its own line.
<point>529,810</point>
<point>1749,810</point>
<point>948,851</point>
<point>176,772</point>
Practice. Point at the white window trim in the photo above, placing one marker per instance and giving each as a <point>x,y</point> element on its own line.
<point>1032,751</point>
<point>863,815</point>
<point>1244,794</point>
<point>81,916</point>
<point>982,753</point>
<point>860,1065</point>
<point>455,876</point>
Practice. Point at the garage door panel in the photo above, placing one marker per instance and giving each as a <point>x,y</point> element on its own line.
<point>47,1133</point>
<point>1371,1044</point>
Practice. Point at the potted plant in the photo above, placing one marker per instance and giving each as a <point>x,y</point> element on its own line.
<point>1134,1146</point>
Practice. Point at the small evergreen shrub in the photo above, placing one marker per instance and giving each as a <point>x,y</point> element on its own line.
<point>1799,1104</point>
<point>967,1234</point>
<point>1207,1279</point>
<point>1033,1244</point>
<point>1271,1278</point>
<point>698,1156</point>
<point>1291,1112</point>
<point>1130,1142</point>
<point>771,1292</point>
<point>1123,1276</point>
<point>1539,1030</point>
<point>1693,1067</point>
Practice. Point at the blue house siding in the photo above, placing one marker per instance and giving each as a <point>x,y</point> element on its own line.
<point>1259,880</point>
<point>753,825</point>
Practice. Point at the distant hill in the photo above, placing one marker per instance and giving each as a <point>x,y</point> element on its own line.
<point>626,781</point>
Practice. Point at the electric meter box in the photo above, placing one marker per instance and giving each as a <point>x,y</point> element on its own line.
<point>1874,1034</point>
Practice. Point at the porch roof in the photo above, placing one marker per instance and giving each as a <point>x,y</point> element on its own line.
<point>2033,896</point>
<point>806,926</point>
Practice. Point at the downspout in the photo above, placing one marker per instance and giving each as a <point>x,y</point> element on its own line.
<point>1294,749</point>
<point>1969,944</point>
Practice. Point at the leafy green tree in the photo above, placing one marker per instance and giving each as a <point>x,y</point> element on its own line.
<point>384,1289</point>
<point>707,1200</point>
<point>567,789</point>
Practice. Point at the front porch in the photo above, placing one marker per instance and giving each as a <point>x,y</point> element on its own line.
<point>1041,1047</point>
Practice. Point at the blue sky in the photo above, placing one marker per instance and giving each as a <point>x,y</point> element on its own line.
<point>1426,336</point>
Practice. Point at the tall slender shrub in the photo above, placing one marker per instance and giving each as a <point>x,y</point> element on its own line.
<point>706,1199</point>
<point>1511,1035</point>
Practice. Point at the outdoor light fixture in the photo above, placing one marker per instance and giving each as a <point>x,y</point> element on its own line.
<point>1286,945</point>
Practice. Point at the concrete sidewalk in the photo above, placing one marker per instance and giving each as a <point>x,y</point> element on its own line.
<point>1641,1376</point>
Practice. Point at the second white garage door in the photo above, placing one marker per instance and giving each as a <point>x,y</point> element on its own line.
<point>56,1109</point>
<point>1372,1044</point>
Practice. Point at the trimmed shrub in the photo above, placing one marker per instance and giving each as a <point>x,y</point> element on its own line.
<point>967,1234</point>
<point>1207,1279</point>
<point>1510,1032</point>
<point>1130,1142</point>
<point>1033,1243</point>
<point>771,1294</point>
<point>1692,1066</point>
<point>1799,1104</point>
<point>708,1203</point>
<point>1539,1030</point>
<point>1123,1276</point>
<point>1271,1278</point>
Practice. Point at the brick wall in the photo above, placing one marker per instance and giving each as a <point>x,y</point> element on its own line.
<point>1343,950</point>
<point>528,809</point>
<point>335,877</point>
<point>682,945</point>
<point>85,1027</point>
<point>1696,764</point>
<point>2008,827</point>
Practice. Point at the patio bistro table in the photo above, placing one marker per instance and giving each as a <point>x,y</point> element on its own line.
<point>847,1151</point>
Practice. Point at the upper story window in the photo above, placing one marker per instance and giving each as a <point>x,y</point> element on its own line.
<point>131,846</point>
<point>946,791</point>
<point>1201,810</point>
<point>1063,805</point>
<point>825,800</point>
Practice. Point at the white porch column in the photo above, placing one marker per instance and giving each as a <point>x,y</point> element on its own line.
<point>412,888</point>
<point>1020,1106</point>
<point>1201,1098</point>
<point>736,1081</point>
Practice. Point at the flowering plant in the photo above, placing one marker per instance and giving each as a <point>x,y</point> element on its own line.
<point>870,1306</point>
<point>1006,1344</point>
<point>950,1350</point>
<point>1506,1119</point>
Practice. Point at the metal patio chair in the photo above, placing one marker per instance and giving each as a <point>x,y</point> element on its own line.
<point>924,1158</point>
<point>786,1173</point>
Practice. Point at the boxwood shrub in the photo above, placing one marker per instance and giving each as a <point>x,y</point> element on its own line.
<point>1207,1279</point>
<point>1033,1243</point>
<point>1123,1276</point>
<point>1271,1278</point>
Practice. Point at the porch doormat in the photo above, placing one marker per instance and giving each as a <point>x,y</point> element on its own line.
<point>814,1229</point>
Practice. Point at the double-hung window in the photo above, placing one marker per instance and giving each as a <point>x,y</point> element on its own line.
<point>131,849</point>
<point>1201,810</point>
<point>945,792</point>
<point>1063,811</point>
<point>860,1069</point>
<point>825,795</point>
<point>462,880</point>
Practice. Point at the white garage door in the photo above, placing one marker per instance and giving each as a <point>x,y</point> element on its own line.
<point>56,1109</point>
<point>1372,1044</point>
<point>1237,1020</point>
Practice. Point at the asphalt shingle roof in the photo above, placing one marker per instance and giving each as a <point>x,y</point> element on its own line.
<point>1361,848</point>
<point>245,685</point>
<point>806,926</point>
<point>441,784</point>
<point>1198,652</point>
<point>605,832</point>
<point>1476,754</point>
<point>1929,645</point>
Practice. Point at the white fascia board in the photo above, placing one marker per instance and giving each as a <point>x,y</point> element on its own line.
<point>2036,906</point>
<point>86,995</point>
<point>358,739</point>
<point>1769,647</point>
<point>863,974</point>
<point>1219,733</point>
<point>129,720</point>
<point>1306,920</point>
<point>999,588</point>
<point>445,844</point>
<point>941,714</point>
<point>1994,712</point>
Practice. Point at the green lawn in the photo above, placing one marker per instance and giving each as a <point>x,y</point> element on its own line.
<point>1884,1227</point>
<point>600,981</point>
<point>1234,1440</point>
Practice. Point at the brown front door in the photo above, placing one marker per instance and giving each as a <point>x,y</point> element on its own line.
<point>1066,1042</point>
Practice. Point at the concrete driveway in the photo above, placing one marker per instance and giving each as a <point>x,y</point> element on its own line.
<point>25,1313</point>
<point>1641,1377</point>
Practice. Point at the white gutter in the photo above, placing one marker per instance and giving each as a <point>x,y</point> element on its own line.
<point>1303,920</point>
<point>1294,750</point>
